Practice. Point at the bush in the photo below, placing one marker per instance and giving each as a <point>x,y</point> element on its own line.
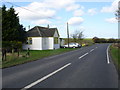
<point>103,40</point>
<point>9,45</point>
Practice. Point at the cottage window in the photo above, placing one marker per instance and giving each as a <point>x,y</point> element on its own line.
<point>29,41</point>
<point>55,40</point>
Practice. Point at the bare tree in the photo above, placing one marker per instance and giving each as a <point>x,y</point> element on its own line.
<point>80,35</point>
<point>118,12</point>
<point>77,35</point>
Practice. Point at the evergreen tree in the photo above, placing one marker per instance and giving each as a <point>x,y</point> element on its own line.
<point>11,29</point>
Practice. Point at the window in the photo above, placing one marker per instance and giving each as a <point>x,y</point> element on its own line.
<point>55,40</point>
<point>29,41</point>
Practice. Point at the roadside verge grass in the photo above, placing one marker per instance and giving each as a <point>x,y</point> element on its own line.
<point>115,52</point>
<point>13,59</point>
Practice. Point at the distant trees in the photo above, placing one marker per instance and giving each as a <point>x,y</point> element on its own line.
<point>95,40</point>
<point>77,35</point>
<point>103,40</point>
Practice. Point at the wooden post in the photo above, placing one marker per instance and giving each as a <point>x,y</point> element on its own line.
<point>18,51</point>
<point>28,52</point>
<point>3,54</point>
<point>68,34</point>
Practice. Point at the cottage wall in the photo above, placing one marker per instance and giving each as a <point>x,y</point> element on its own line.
<point>36,44</point>
<point>47,43</point>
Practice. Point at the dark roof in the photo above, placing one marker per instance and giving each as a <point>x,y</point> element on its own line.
<point>38,31</point>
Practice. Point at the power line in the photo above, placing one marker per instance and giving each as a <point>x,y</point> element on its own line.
<point>27,9</point>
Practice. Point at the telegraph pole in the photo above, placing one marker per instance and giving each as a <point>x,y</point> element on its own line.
<point>29,27</point>
<point>68,34</point>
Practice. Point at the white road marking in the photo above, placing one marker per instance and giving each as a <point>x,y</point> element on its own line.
<point>108,60</point>
<point>83,55</point>
<point>96,47</point>
<point>45,77</point>
<point>91,50</point>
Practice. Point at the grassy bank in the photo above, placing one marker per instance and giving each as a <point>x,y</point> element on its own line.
<point>115,52</point>
<point>13,59</point>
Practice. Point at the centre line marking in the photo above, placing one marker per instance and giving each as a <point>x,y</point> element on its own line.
<point>91,50</point>
<point>45,77</point>
<point>83,55</point>
<point>108,60</point>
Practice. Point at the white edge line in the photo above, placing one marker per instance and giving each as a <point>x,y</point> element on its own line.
<point>83,55</point>
<point>108,60</point>
<point>45,77</point>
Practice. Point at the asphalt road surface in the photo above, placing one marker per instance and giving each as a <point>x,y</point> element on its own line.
<point>87,67</point>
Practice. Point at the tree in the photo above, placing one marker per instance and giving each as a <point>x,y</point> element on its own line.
<point>11,28</point>
<point>118,12</point>
<point>80,35</point>
<point>95,39</point>
<point>13,33</point>
<point>0,27</point>
<point>111,40</point>
<point>77,35</point>
<point>21,34</point>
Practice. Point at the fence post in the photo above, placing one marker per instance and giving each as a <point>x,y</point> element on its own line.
<point>3,54</point>
<point>28,52</point>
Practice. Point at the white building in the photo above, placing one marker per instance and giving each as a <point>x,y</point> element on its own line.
<point>42,38</point>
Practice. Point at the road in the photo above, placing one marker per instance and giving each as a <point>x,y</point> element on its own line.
<point>87,67</point>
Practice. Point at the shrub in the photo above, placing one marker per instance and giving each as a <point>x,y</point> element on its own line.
<point>9,45</point>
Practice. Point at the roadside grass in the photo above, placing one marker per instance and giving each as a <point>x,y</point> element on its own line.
<point>115,54</point>
<point>13,59</point>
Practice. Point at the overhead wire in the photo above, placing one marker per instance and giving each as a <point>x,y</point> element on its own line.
<point>27,9</point>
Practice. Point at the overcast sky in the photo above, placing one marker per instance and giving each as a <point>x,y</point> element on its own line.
<point>93,18</point>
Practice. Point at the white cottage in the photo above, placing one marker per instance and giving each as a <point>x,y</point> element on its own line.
<point>42,38</point>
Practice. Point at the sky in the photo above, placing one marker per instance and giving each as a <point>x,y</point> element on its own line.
<point>94,18</point>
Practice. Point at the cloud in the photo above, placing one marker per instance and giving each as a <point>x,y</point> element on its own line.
<point>78,12</point>
<point>92,11</point>
<point>46,9</point>
<point>57,5</point>
<point>111,20</point>
<point>41,21</point>
<point>112,8</point>
<point>72,7</point>
<point>75,20</point>
<point>69,5</point>
<point>35,11</point>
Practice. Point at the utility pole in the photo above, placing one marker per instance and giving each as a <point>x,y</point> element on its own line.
<point>68,34</point>
<point>29,27</point>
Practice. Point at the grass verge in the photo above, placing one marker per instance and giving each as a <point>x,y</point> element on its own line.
<point>13,59</point>
<point>115,52</point>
